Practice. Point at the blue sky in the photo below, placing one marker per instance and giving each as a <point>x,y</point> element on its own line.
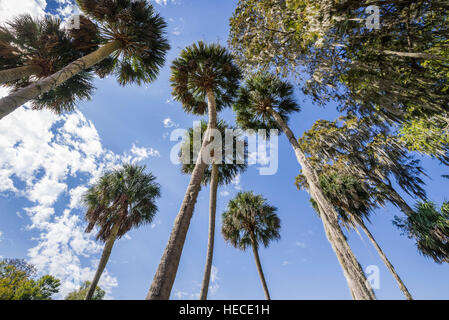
<point>47,161</point>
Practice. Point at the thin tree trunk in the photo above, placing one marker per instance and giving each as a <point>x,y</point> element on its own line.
<point>417,55</point>
<point>19,73</point>
<point>166,272</point>
<point>18,98</point>
<point>399,201</point>
<point>103,261</point>
<point>358,284</point>
<point>385,260</point>
<point>211,240</point>
<point>259,267</point>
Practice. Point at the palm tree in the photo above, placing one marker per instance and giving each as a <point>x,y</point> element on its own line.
<point>134,48</point>
<point>265,102</point>
<point>365,148</point>
<point>202,72</point>
<point>215,175</point>
<point>37,48</point>
<point>353,200</point>
<point>248,222</point>
<point>430,229</point>
<point>40,47</point>
<point>120,201</point>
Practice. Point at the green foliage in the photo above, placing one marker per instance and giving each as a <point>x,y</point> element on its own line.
<point>80,294</point>
<point>399,71</point>
<point>141,32</point>
<point>201,68</point>
<point>429,228</point>
<point>427,136</point>
<point>364,149</point>
<point>44,42</point>
<point>250,220</point>
<point>261,94</point>
<point>125,196</point>
<point>351,197</point>
<point>18,282</point>
<point>226,172</point>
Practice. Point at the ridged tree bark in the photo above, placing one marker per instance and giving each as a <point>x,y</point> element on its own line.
<point>103,261</point>
<point>18,98</point>
<point>386,261</point>
<point>166,272</point>
<point>211,234</point>
<point>358,284</point>
<point>259,267</point>
<point>19,73</point>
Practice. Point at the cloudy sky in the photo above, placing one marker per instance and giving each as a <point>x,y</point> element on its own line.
<point>48,161</point>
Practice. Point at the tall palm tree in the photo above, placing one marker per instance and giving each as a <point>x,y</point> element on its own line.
<point>202,72</point>
<point>248,222</point>
<point>133,36</point>
<point>430,229</point>
<point>265,102</point>
<point>215,175</point>
<point>354,202</point>
<point>120,201</point>
<point>38,48</point>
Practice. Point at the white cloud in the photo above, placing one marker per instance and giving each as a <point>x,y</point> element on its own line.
<point>214,286</point>
<point>224,193</point>
<point>169,123</point>
<point>40,153</point>
<point>11,8</point>
<point>236,182</point>
<point>300,244</point>
<point>156,223</point>
<point>1,234</point>
<point>285,263</point>
<point>164,2</point>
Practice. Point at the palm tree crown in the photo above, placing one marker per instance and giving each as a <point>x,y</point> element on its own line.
<point>45,44</point>
<point>226,172</point>
<point>260,94</point>
<point>430,229</point>
<point>202,68</point>
<point>249,221</point>
<point>141,32</point>
<point>351,197</point>
<point>125,196</point>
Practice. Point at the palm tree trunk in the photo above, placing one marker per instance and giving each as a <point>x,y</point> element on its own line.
<point>166,272</point>
<point>399,201</point>
<point>417,55</point>
<point>211,240</point>
<point>20,97</point>
<point>103,261</point>
<point>259,267</point>
<point>358,284</point>
<point>19,73</point>
<point>385,260</point>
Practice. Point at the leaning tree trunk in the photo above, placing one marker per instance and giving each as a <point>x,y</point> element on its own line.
<point>358,284</point>
<point>416,55</point>
<point>166,272</point>
<point>16,99</point>
<point>399,201</point>
<point>19,73</point>
<point>103,261</point>
<point>259,267</point>
<point>385,260</point>
<point>211,240</point>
